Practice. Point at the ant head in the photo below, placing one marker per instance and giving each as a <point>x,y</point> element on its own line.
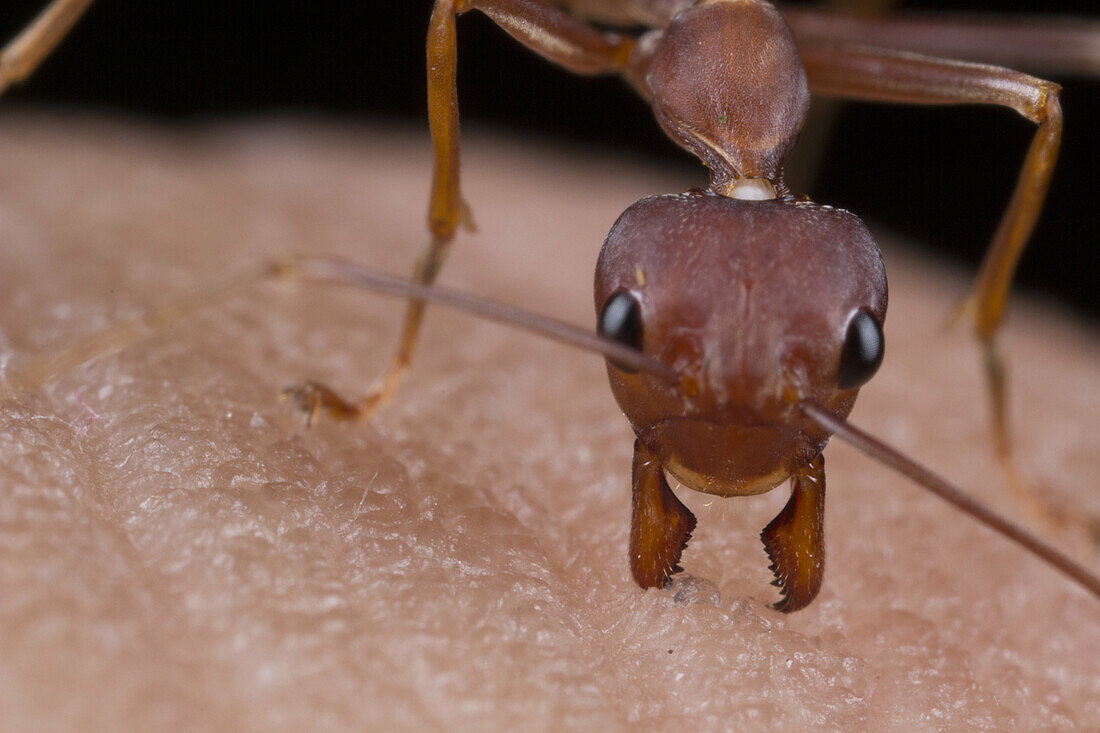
<point>727,83</point>
<point>758,305</point>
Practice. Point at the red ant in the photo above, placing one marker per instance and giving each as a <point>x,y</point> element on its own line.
<point>739,321</point>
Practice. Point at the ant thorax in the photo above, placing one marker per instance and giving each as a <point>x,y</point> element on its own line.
<point>727,84</point>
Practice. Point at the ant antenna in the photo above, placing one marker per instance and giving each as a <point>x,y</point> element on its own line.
<point>45,366</point>
<point>331,270</point>
<point>883,453</point>
<point>341,272</point>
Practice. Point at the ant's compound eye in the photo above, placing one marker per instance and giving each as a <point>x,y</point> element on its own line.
<point>864,347</point>
<point>621,319</point>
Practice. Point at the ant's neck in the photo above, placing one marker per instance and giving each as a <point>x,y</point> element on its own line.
<point>747,189</point>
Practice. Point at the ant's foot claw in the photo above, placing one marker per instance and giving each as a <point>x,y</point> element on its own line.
<point>314,397</point>
<point>369,404</point>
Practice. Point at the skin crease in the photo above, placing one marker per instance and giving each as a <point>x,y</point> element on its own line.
<point>178,551</point>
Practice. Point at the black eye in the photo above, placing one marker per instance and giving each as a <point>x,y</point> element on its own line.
<point>864,347</point>
<point>621,319</point>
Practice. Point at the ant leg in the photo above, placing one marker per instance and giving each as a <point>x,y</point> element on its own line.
<point>1047,45</point>
<point>795,539</point>
<point>859,72</point>
<point>22,55</point>
<point>802,167</point>
<point>551,33</point>
<point>626,13</point>
<point>660,525</point>
<point>659,13</point>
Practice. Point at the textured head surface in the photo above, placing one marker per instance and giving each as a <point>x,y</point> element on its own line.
<point>177,551</point>
<point>751,301</point>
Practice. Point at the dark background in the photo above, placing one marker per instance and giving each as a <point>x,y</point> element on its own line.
<point>942,175</point>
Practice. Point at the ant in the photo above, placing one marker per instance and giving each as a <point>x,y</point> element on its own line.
<point>738,321</point>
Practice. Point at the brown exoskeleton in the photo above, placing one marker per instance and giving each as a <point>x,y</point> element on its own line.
<point>759,300</point>
<point>757,314</point>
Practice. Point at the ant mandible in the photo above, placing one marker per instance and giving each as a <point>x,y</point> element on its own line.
<point>758,314</point>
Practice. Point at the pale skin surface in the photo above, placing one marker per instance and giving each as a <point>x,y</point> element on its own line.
<point>178,550</point>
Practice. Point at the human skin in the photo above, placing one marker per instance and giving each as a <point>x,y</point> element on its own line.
<point>179,551</point>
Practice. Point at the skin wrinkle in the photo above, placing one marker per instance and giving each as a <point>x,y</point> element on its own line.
<point>460,563</point>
